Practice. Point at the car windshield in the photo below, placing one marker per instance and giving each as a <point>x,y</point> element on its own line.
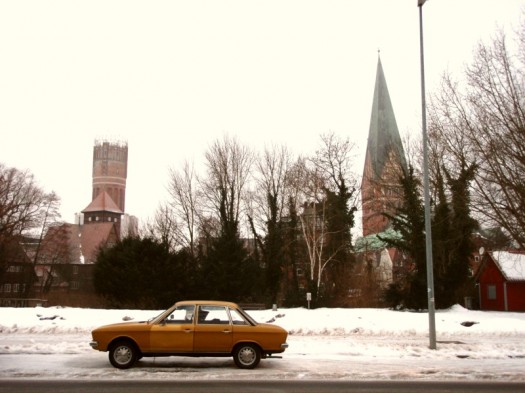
<point>155,317</point>
<point>159,315</point>
<point>247,316</point>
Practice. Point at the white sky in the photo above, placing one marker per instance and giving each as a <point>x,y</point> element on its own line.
<point>170,77</point>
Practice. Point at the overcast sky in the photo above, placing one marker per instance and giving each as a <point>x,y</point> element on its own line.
<point>170,77</point>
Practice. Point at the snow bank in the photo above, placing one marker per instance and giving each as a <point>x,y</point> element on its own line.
<point>456,321</point>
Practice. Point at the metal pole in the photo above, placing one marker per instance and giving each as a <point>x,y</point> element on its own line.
<point>428,230</point>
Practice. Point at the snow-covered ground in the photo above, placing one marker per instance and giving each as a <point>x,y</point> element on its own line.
<point>357,344</point>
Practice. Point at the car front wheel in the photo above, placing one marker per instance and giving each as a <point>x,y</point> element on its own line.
<point>247,356</point>
<point>123,354</point>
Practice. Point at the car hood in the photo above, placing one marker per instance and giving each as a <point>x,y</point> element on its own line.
<point>273,328</point>
<point>122,325</point>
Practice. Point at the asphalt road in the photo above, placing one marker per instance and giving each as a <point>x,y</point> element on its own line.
<point>59,386</point>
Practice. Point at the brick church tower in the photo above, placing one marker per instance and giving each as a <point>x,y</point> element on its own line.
<point>384,163</point>
<point>110,168</point>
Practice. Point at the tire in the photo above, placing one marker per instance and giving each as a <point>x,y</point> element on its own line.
<point>123,354</point>
<point>247,356</point>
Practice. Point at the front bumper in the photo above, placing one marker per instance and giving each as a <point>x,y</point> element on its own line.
<point>94,344</point>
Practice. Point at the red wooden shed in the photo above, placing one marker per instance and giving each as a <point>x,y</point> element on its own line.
<point>501,280</point>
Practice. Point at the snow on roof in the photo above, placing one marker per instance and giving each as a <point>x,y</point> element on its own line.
<point>511,265</point>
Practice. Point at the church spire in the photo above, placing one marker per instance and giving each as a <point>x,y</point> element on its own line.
<point>383,134</point>
<point>384,159</point>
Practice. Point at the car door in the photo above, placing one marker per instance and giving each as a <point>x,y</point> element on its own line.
<point>213,330</point>
<point>175,334</point>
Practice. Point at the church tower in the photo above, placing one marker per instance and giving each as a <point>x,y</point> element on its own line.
<point>110,168</point>
<point>384,163</point>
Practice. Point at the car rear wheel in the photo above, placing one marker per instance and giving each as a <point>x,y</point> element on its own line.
<point>247,356</point>
<point>123,354</point>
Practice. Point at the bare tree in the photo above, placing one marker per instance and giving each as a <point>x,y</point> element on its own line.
<point>335,161</point>
<point>266,207</point>
<point>165,228</point>
<point>48,217</point>
<point>25,210</point>
<point>310,194</point>
<point>53,248</point>
<point>324,190</point>
<point>228,163</point>
<point>314,233</point>
<point>21,202</point>
<point>267,202</point>
<point>183,189</point>
<point>227,266</point>
<point>24,206</point>
<point>483,122</point>
<point>54,251</point>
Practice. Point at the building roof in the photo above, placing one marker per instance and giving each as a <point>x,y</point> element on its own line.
<point>374,241</point>
<point>92,237</point>
<point>383,135</point>
<point>102,202</point>
<point>511,265</point>
<point>83,240</point>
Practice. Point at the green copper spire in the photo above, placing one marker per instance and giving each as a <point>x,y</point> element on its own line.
<point>383,136</point>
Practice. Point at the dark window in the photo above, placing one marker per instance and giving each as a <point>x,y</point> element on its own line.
<point>491,292</point>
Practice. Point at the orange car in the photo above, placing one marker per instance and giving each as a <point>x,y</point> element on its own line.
<point>192,328</point>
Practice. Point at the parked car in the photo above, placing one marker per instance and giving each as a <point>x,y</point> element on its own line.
<point>192,328</point>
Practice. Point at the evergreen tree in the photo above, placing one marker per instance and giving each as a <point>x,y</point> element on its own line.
<point>339,222</point>
<point>229,273</point>
<point>142,273</point>
<point>294,296</point>
<point>452,245</point>
<point>273,251</point>
<point>409,286</point>
<point>459,238</point>
<point>441,241</point>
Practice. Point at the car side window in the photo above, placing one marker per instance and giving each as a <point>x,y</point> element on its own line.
<point>237,318</point>
<point>213,315</point>
<point>181,314</point>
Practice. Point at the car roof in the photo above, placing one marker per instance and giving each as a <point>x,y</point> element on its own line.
<point>208,303</point>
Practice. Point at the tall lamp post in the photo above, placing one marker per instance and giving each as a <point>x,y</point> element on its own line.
<point>428,230</point>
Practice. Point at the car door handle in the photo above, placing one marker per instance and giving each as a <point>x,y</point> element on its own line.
<point>188,330</point>
<point>226,331</point>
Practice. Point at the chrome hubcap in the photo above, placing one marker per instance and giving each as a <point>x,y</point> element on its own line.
<point>122,355</point>
<point>247,355</point>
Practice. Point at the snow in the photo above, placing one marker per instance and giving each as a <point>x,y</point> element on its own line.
<point>364,344</point>
<point>511,265</point>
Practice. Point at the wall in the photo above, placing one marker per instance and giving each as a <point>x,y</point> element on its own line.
<point>491,276</point>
